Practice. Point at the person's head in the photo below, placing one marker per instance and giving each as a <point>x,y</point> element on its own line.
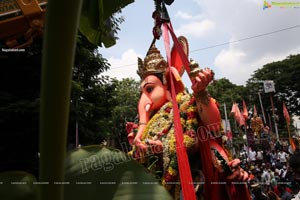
<point>154,92</point>
<point>155,86</point>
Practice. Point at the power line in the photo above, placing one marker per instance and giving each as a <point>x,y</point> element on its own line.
<point>244,39</point>
<point>227,43</point>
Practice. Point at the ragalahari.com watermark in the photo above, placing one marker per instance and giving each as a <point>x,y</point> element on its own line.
<point>281,4</point>
<point>12,50</point>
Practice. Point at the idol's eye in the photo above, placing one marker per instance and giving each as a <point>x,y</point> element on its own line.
<point>149,89</point>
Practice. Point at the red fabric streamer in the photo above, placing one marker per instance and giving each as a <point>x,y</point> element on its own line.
<point>182,159</point>
<point>213,190</point>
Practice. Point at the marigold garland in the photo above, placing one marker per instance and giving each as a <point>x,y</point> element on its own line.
<point>161,127</point>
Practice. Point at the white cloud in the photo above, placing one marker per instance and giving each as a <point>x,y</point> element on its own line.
<point>196,28</point>
<point>124,67</point>
<point>234,64</point>
<point>245,19</point>
<point>187,16</point>
<point>219,22</point>
<point>183,15</point>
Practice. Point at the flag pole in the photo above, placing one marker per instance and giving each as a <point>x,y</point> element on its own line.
<point>288,129</point>
<point>225,111</point>
<point>245,126</point>
<point>226,118</point>
<point>247,142</point>
<point>273,112</point>
<point>262,108</point>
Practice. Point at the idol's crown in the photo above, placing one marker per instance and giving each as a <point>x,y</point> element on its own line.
<point>153,63</point>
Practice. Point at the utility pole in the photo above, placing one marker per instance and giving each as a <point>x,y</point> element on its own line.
<point>273,112</point>
<point>262,107</point>
<point>225,111</point>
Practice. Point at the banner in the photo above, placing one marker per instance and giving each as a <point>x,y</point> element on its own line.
<point>269,86</point>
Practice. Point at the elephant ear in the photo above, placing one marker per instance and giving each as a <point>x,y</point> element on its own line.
<point>178,84</point>
<point>175,56</point>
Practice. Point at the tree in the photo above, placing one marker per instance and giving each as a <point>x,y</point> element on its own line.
<point>57,62</point>
<point>90,105</point>
<point>19,109</point>
<point>125,97</point>
<point>285,75</point>
<point>226,92</point>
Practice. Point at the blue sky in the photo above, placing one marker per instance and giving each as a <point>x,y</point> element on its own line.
<point>207,23</point>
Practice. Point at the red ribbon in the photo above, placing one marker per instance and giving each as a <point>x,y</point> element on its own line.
<point>182,158</point>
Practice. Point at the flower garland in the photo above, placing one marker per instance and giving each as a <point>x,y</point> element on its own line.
<point>160,127</point>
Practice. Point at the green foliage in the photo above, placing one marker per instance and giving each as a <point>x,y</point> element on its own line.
<point>18,185</point>
<point>91,172</point>
<point>225,91</point>
<point>97,22</point>
<point>90,104</point>
<point>125,97</point>
<point>99,105</point>
<point>285,75</point>
<point>19,108</point>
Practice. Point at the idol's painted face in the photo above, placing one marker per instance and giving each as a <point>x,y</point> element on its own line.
<point>154,93</point>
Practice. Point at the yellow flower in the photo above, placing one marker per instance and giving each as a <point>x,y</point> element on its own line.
<point>172,144</point>
<point>178,97</point>
<point>183,107</point>
<point>172,171</point>
<point>182,121</point>
<point>188,141</point>
<point>194,121</point>
<point>189,121</point>
<point>130,153</point>
<point>192,109</point>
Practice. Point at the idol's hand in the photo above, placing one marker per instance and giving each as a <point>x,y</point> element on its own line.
<point>238,173</point>
<point>155,146</point>
<point>201,80</point>
<point>129,129</point>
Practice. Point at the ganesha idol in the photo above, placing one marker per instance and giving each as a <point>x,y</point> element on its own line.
<point>215,175</point>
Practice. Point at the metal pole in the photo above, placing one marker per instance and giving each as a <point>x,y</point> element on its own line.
<point>262,108</point>
<point>273,112</point>
<point>246,133</point>
<point>270,122</point>
<point>225,111</point>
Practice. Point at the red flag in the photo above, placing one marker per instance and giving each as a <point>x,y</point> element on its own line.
<point>288,120</point>
<point>237,114</point>
<point>245,111</point>
<point>286,114</point>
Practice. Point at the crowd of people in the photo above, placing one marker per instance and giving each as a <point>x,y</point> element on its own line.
<point>273,174</point>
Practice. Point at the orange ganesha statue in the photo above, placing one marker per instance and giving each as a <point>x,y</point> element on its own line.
<point>257,125</point>
<point>153,140</point>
